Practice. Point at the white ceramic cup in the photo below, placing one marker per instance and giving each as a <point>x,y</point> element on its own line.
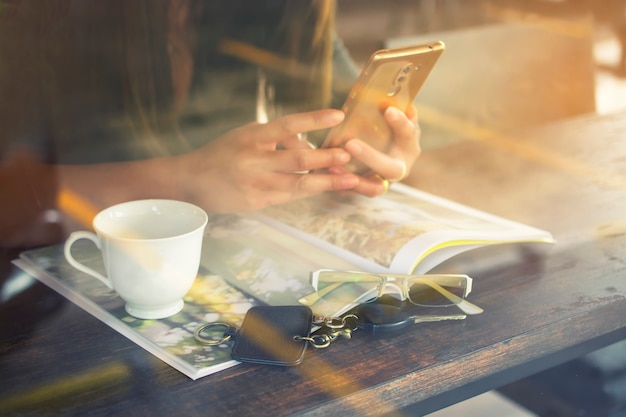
<point>151,251</point>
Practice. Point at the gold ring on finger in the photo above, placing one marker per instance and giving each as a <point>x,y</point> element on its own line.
<point>385,182</point>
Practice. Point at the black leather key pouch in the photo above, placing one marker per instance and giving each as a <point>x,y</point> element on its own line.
<point>273,335</point>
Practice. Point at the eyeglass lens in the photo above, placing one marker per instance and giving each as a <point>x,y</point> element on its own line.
<point>421,293</point>
<point>347,290</point>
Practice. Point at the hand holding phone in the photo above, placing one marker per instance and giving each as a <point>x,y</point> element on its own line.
<point>392,77</point>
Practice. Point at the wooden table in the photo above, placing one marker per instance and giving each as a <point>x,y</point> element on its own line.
<point>568,177</point>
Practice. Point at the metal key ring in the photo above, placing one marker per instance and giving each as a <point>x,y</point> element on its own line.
<point>227,333</point>
<point>334,322</point>
<point>318,341</point>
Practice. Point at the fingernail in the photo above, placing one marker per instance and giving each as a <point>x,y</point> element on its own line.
<point>335,116</point>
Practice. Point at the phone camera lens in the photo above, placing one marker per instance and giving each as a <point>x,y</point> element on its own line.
<point>393,90</point>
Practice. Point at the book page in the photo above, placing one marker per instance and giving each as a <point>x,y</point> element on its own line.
<point>268,264</point>
<point>393,232</point>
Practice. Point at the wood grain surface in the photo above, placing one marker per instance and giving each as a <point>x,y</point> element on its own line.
<point>568,177</point>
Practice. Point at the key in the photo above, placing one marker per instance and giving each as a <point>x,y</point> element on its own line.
<point>382,320</point>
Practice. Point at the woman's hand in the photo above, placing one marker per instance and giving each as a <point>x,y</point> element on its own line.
<point>397,163</point>
<point>258,165</point>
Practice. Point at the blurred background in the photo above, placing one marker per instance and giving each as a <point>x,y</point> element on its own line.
<point>508,63</point>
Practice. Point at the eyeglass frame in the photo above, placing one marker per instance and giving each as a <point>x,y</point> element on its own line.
<point>402,279</point>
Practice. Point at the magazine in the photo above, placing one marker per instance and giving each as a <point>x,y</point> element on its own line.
<point>267,257</point>
<point>170,339</point>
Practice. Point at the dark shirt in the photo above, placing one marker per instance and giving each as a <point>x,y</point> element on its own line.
<point>76,101</point>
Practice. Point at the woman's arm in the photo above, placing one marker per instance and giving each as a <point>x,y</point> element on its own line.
<point>242,170</point>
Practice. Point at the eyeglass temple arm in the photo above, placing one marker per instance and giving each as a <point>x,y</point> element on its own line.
<point>315,296</point>
<point>426,276</point>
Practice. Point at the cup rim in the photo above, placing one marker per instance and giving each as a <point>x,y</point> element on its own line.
<point>102,213</point>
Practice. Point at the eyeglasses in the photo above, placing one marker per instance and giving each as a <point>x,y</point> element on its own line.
<point>349,287</point>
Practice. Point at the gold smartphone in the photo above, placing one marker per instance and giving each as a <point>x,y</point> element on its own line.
<point>391,77</point>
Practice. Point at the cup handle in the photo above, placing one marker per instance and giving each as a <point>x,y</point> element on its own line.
<point>68,255</point>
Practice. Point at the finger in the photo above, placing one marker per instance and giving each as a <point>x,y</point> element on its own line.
<point>299,123</point>
<point>406,131</point>
<point>306,159</point>
<point>371,186</point>
<point>298,141</point>
<point>283,187</point>
<point>406,147</point>
<point>385,165</point>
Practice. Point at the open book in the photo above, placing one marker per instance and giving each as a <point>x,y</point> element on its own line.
<point>267,258</point>
<point>271,253</point>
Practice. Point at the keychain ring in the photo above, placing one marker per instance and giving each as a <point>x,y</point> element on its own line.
<point>318,341</point>
<point>337,323</point>
<point>227,334</point>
